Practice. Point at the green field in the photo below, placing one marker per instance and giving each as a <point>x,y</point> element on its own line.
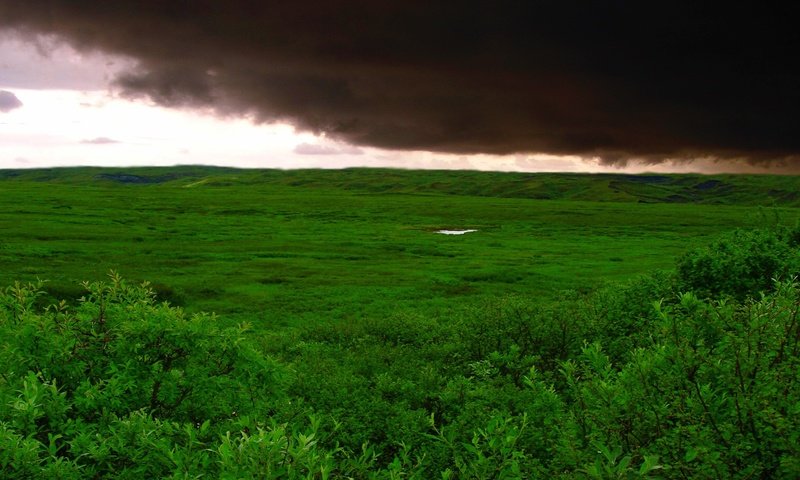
<point>594,326</point>
<point>277,248</point>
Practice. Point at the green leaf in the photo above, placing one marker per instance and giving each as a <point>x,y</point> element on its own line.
<point>650,463</point>
<point>691,454</point>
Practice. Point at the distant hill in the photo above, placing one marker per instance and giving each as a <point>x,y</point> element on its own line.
<point>764,190</point>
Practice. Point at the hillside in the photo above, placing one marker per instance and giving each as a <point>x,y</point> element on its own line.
<point>765,190</point>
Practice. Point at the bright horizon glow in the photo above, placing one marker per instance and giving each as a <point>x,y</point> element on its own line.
<point>71,117</point>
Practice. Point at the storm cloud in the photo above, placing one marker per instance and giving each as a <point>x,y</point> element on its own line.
<point>608,80</point>
<point>8,101</point>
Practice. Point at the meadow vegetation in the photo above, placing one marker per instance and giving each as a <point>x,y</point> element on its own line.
<point>565,339</point>
<point>290,248</point>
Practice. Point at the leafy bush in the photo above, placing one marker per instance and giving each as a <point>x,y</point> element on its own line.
<point>71,375</point>
<point>629,381</point>
<point>741,263</point>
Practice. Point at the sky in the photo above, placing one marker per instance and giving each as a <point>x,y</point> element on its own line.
<point>594,86</point>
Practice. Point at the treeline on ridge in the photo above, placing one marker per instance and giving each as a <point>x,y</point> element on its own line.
<point>773,190</point>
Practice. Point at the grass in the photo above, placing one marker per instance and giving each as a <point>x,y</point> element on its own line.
<point>373,324</point>
<point>286,248</point>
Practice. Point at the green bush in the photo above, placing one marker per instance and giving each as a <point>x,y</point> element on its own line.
<point>741,263</point>
<point>72,375</point>
<point>629,381</point>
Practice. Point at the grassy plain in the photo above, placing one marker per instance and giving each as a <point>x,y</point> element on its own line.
<point>381,349</point>
<point>280,248</point>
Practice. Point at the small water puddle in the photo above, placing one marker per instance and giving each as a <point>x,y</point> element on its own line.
<point>455,232</point>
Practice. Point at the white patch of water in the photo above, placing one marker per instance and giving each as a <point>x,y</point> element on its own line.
<point>455,232</point>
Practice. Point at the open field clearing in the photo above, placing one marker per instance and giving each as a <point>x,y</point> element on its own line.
<point>278,248</point>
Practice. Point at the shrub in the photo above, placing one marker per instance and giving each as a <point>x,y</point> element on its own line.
<point>741,263</point>
<point>70,375</point>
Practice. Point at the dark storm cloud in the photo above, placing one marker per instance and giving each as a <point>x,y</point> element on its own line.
<point>8,101</point>
<point>613,80</point>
